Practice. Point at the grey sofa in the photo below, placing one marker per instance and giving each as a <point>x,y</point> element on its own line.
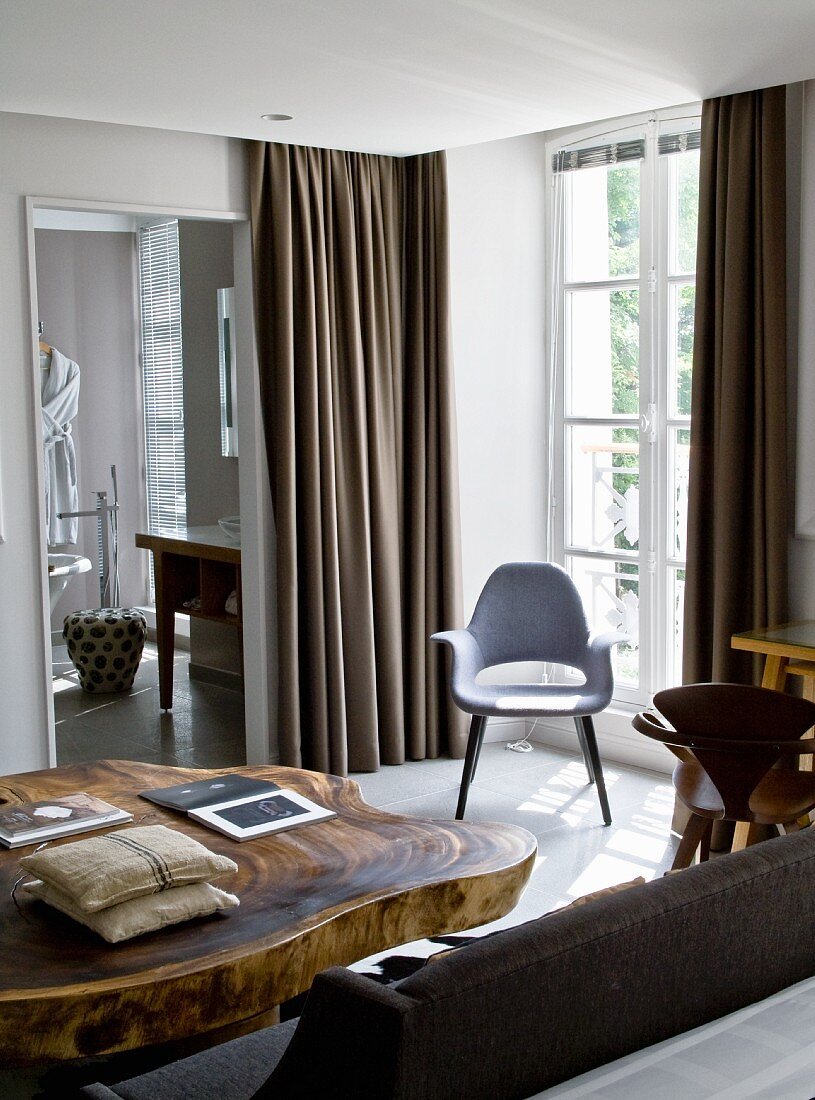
<point>517,1012</point>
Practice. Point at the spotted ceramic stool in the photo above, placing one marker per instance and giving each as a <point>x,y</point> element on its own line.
<point>105,645</point>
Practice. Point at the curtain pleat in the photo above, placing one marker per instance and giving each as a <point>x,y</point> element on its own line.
<point>351,281</point>
<point>736,576</point>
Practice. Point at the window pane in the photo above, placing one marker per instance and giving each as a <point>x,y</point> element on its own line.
<point>685,215</point>
<point>605,223</point>
<point>610,594</point>
<point>603,359</point>
<point>604,487</point>
<point>683,300</point>
<point>679,459</point>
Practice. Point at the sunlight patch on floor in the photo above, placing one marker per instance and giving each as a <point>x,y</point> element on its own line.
<point>574,775</point>
<point>559,795</point>
<point>63,683</point>
<point>605,870</point>
<point>634,844</point>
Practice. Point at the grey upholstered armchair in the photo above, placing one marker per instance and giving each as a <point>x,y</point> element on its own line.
<point>531,611</point>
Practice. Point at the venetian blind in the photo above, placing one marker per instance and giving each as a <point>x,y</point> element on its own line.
<point>570,160</point>
<point>680,143</point>
<point>162,379</point>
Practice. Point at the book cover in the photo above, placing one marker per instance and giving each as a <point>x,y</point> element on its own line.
<point>208,792</point>
<point>49,819</point>
<point>245,818</point>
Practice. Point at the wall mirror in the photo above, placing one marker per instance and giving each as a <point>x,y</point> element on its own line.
<point>228,372</point>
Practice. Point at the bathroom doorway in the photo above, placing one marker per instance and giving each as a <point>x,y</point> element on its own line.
<point>94,300</point>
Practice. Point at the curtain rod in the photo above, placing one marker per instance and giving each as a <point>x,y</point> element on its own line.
<point>622,129</point>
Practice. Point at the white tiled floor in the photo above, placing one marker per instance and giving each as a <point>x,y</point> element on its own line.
<point>547,793</point>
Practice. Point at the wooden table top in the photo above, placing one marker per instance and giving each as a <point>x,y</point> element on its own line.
<point>325,894</point>
<point>195,542</point>
<point>786,640</point>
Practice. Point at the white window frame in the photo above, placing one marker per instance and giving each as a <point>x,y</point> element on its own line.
<point>654,284</point>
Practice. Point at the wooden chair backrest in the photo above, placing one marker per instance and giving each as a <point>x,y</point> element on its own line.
<point>735,732</point>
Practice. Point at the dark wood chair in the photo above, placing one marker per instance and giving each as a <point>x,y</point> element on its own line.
<point>728,739</point>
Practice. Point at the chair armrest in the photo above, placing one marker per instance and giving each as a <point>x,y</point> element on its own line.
<point>598,643</point>
<point>468,660</point>
<point>804,747</point>
<point>596,666</point>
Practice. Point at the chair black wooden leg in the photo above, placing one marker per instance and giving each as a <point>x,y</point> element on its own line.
<point>478,746</point>
<point>474,741</point>
<point>581,737</point>
<point>597,767</point>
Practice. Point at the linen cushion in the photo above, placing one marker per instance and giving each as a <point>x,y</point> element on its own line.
<point>106,870</point>
<point>144,914</point>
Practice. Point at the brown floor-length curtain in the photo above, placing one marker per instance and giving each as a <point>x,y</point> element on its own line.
<point>736,575</point>
<point>351,287</point>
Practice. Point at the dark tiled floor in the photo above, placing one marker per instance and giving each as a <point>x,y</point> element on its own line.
<point>205,728</point>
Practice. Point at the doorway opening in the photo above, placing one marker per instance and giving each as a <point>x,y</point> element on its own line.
<point>131,318</point>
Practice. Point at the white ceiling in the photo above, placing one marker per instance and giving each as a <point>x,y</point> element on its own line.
<point>391,76</point>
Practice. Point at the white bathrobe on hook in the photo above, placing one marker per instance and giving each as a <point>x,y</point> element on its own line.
<point>60,404</point>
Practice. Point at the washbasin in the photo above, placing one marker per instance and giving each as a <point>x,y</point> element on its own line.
<point>231,527</point>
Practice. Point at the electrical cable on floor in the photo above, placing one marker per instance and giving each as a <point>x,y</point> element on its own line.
<point>524,744</point>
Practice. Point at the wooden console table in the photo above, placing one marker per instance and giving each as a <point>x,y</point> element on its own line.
<point>201,563</point>
<point>789,650</point>
<point>321,895</point>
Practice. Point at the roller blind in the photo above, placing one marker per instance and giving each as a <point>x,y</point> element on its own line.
<point>162,379</point>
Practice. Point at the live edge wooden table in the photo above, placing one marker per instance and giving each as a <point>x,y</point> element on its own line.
<point>197,563</point>
<point>324,894</point>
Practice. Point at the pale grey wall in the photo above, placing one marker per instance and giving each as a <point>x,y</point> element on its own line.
<point>205,250</point>
<point>206,264</point>
<point>86,285</point>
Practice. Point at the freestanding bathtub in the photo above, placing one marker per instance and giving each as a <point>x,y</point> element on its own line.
<point>61,567</point>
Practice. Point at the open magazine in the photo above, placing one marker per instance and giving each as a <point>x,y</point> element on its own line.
<point>239,806</point>
<point>36,822</point>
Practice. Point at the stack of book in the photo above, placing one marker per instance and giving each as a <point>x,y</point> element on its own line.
<point>36,822</point>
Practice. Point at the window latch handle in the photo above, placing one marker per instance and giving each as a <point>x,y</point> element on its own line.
<point>648,423</point>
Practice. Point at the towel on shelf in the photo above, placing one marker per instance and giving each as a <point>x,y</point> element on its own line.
<point>231,605</point>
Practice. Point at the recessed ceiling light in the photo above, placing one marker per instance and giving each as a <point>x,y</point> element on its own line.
<point>276,118</point>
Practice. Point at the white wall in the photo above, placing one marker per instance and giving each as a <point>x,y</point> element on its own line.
<point>82,161</point>
<point>497,204</point>
<point>86,290</point>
